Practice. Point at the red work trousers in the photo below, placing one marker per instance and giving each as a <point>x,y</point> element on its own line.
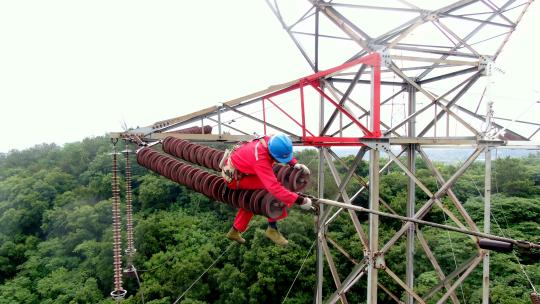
<point>243,216</point>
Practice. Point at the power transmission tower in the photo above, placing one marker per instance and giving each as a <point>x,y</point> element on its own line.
<point>366,57</point>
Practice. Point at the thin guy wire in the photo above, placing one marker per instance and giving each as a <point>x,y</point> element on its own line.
<point>299,270</point>
<point>453,252</point>
<point>502,233</point>
<point>454,257</point>
<point>207,269</point>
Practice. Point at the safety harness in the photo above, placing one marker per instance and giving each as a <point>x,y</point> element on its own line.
<point>228,171</point>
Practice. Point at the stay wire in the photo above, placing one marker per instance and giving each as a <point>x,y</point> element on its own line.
<point>299,270</point>
<point>454,257</point>
<point>453,252</point>
<point>503,234</point>
<point>202,274</point>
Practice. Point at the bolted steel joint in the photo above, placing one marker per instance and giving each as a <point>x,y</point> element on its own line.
<point>378,259</point>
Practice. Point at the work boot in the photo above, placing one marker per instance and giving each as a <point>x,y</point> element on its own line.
<point>276,236</point>
<point>236,236</point>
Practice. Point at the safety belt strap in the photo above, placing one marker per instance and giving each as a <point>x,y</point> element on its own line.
<point>261,140</point>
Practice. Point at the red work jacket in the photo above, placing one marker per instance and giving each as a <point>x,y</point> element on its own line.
<point>254,158</point>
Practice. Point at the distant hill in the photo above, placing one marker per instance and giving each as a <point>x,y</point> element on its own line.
<point>451,156</point>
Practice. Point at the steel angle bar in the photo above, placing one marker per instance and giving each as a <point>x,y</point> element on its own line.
<point>320,224</point>
<point>341,22</point>
<point>317,38</point>
<point>434,263</point>
<point>298,45</point>
<point>367,112</point>
<point>424,188</point>
<point>352,214</point>
<point>334,13</point>
<point>304,17</point>
<point>508,119</point>
<point>450,193</point>
<point>450,277</point>
<point>408,172</point>
<point>456,6</point>
<point>533,134</point>
<point>335,92</point>
<point>342,250</point>
<point>342,110</point>
<point>427,50</point>
<point>427,206</point>
<point>519,243</point>
<point>397,30</point>
<point>333,270</point>
<point>458,118</point>
<point>353,277</point>
<point>449,75</point>
<point>389,293</point>
<point>372,271</point>
<point>295,137</point>
<point>372,7</point>
<point>403,34</point>
<point>249,99</point>
<point>495,9</point>
<point>321,35</point>
<point>345,181</point>
<point>461,279</point>
<point>446,30</point>
<point>403,285</point>
<point>479,20</point>
<point>513,29</point>
<point>226,125</point>
<point>446,108</point>
<point>435,60</point>
<point>364,187</point>
<point>344,97</point>
<point>487,224</point>
<point>362,81</point>
<point>427,94</point>
<point>289,116</point>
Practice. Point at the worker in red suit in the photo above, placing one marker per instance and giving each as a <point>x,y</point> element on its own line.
<point>249,166</point>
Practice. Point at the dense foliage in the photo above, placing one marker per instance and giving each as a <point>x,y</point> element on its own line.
<point>55,234</point>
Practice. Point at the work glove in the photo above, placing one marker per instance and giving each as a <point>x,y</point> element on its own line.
<point>306,204</point>
<point>302,167</point>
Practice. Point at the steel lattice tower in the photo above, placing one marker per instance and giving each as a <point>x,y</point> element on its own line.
<point>390,78</point>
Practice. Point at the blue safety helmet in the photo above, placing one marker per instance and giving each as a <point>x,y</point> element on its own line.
<point>280,147</point>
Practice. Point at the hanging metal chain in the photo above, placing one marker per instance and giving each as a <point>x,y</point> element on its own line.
<point>130,250</point>
<point>118,293</point>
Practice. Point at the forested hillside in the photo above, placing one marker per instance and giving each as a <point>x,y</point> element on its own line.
<point>55,234</point>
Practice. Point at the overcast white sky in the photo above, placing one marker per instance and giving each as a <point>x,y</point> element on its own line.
<point>72,69</point>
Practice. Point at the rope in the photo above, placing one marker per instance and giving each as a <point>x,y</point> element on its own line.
<point>299,270</point>
<point>205,271</point>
